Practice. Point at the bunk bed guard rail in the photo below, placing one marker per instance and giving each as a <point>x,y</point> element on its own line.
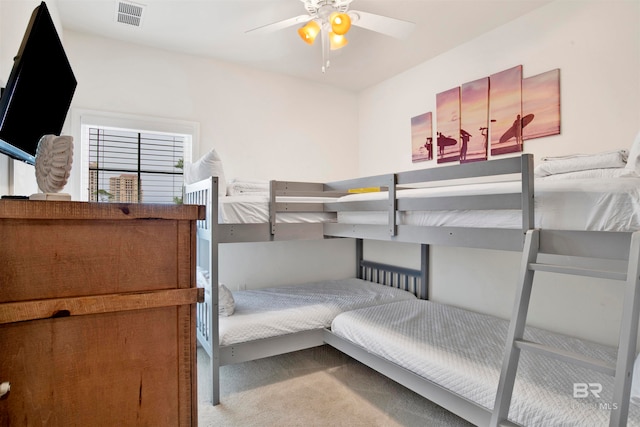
<point>488,171</point>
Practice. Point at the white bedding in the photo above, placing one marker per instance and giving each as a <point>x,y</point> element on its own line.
<point>462,351</point>
<point>604,202</point>
<point>611,204</point>
<point>269,312</point>
<point>250,208</point>
<point>242,186</point>
<point>582,162</point>
<point>593,174</point>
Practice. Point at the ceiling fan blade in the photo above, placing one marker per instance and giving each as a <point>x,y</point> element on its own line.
<point>269,28</point>
<point>381,24</point>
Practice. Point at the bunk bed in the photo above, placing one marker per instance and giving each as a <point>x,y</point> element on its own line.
<point>406,209</point>
<point>469,363</point>
<point>296,210</point>
<point>281,319</point>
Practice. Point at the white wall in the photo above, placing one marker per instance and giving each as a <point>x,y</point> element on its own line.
<point>596,46</point>
<point>258,122</point>
<point>258,265</point>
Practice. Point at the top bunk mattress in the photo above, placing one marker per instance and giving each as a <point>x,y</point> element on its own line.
<point>264,313</point>
<point>253,208</point>
<point>608,204</point>
<point>463,351</point>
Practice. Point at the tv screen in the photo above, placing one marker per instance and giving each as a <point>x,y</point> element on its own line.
<point>39,90</point>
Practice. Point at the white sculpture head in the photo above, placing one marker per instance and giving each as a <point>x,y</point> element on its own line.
<point>54,156</point>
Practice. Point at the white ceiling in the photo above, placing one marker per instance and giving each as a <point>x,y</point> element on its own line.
<point>217,29</point>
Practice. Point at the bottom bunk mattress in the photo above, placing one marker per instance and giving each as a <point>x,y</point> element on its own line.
<point>269,312</point>
<point>463,352</point>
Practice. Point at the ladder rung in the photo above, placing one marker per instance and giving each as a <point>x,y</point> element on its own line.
<point>602,274</point>
<point>567,356</point>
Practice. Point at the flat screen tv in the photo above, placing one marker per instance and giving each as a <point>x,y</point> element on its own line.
<point>39,90</point>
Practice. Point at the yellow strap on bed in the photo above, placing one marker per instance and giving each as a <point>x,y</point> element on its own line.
<point>364,190</point>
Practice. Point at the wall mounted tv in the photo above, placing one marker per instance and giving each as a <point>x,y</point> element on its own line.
<point>39,89</point>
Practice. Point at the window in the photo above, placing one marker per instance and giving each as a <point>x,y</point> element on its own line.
<point>131,158</point>
<point>134,167</point>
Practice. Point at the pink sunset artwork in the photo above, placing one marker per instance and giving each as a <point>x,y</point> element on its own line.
<point>448,119</point>
<point>541,98</point>
<point>421,138</point>
<point>474,120</point>
<point>505,100</point>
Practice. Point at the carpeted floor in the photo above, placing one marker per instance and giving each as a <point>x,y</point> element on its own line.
<point>314,387</point>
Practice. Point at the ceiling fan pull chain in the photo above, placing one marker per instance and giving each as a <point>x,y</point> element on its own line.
<point>325,51</point>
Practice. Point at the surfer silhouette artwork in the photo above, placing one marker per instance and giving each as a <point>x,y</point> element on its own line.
<point>515,131</point>
<point>505,104</point>
<point>448,125</point>
<point>484,131</point>
<point>421,138</point>
<point>444,141</point>
<point>464,137</point>
<point>429,146</point>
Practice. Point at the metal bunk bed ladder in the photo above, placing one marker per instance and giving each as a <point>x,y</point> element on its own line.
<point>628,249</point>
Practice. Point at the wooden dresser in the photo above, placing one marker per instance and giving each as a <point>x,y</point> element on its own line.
<point>97,314</point>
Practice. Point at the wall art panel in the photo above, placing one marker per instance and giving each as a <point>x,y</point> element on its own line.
<point>421,138</point>
<point>474,120</point>
<point>448,125</point>
<point>541,100</point>
<point>505,97</point>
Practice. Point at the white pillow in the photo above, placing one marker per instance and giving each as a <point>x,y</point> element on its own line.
<point>581,162</point>
<point>633,162</point>
<point>207,166</point>
<point>202,278</point>
<point>226,303</point>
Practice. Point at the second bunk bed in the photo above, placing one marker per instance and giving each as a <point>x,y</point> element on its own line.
<point>282,319</point>
<point>467,362</point>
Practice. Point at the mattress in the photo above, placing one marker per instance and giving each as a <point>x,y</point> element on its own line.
<point>607,204</point>
<point>463,351</point>
<point>264,313</point>
<point>252,208</point>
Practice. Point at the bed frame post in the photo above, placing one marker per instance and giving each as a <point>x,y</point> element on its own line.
<point>424,271</point>
<point>628,337</point>
<point>359,258</point>
<point>214,279</point>
<point>272,208</point>
<point>393,205</point>
<point>528,218</point>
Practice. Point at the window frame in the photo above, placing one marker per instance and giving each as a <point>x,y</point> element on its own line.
<point>83,119</point>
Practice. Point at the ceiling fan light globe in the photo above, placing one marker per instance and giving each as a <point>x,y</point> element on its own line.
<point>309,32</point>
<point>340,23</point>
<point>337,41</point>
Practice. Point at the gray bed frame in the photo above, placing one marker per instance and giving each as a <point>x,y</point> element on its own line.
<point>210,234</point>
<point>613,255</point>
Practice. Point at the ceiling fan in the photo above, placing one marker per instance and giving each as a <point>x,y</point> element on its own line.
<point>331,20</point>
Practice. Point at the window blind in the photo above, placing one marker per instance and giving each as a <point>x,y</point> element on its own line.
<point>129,166</point>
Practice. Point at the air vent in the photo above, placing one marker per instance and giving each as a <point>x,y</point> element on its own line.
<point>129,13</point>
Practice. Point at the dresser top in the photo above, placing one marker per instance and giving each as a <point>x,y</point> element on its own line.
<point>35,209</point>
